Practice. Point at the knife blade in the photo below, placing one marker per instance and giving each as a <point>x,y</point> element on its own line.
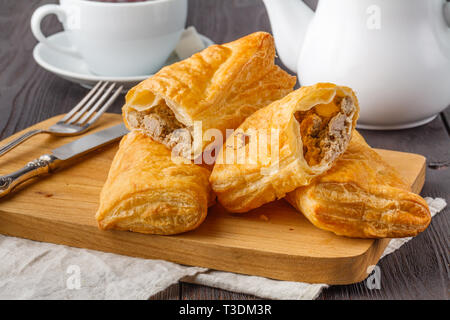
<point>90,142</point>
<point>49,162</point>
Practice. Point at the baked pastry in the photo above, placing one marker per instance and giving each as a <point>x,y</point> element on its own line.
<point>362,197</point>
<point>148,192</point>
<point>284,146</point>
<point>217,88</point>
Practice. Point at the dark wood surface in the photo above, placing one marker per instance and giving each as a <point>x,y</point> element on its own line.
<point>28,94</point>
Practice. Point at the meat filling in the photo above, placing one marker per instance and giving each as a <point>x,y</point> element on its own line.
<point>160,124</point>
<point>325,130</point>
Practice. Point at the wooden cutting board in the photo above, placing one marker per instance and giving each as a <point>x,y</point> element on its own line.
<point>274,241</point>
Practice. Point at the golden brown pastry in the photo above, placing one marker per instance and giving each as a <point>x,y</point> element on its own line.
<point>362,197</point>
<point>147,192</point>
<point>220,86</point>
<point>305,133</point>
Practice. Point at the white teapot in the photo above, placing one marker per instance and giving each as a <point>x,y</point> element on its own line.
<point>394,53</point>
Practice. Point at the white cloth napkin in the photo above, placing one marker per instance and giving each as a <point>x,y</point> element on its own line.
<point>36,270</point>
<point>190,43</point>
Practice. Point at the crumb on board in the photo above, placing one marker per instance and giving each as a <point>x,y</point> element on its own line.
<point>45,194</point>
<point>264,217</point>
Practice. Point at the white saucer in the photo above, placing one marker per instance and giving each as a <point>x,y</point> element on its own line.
<point>75,69</point>
<point>395,127</point>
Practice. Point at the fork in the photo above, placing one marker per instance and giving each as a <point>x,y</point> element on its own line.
<point>80,118</point>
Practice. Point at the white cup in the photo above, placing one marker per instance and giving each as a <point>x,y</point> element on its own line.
<point>117,39</point>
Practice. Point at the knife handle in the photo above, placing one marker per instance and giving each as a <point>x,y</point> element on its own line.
<point>42,165</point>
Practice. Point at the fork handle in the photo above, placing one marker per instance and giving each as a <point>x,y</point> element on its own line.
<point>19,140</point>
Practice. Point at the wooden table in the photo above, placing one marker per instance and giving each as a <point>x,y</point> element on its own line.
<point>28,94</point>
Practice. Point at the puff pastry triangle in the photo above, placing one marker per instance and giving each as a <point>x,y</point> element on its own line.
<point>218,87</point>
<point>146,191</point>
<point>362,197</point>
<point>284,146</point>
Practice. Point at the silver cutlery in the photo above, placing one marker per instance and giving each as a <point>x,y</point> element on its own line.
<point>80,118</point>
<point>47,163</point>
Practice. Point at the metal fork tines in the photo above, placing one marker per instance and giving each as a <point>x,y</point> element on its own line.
<point>80,118</point>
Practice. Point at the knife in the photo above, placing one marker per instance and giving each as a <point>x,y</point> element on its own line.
<point>47,163</point>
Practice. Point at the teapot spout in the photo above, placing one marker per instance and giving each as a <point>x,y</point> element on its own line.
<point>290,20</point>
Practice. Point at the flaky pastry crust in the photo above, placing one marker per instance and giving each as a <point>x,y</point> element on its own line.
<point>220,86</point>
<point>314,126</point>
<point>147,192</point>
<point>362,197</point>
